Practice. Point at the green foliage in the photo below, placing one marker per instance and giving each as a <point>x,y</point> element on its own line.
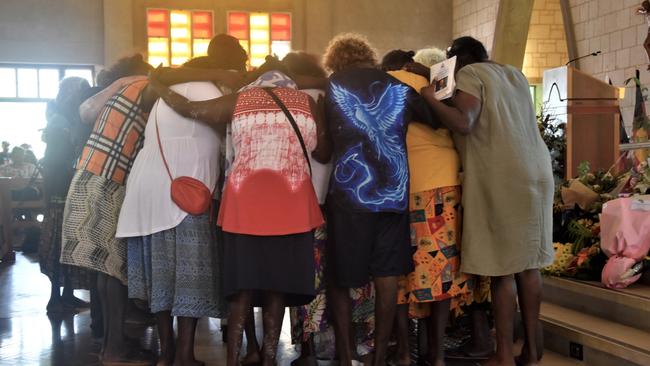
<point>553,134</point>
<point>580,233</point>
<point>583,169</point>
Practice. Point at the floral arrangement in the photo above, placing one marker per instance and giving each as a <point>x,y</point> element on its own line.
<point>576,227</point>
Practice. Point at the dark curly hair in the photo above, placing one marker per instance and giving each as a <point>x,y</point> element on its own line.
<point>226,53</point>
<point>348,49</point>
<point>468,50</point>
<point>396,59</point>
<point>303,63</point>
<point>127,66</point>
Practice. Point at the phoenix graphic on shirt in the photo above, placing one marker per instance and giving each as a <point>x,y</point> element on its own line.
<point>380,120</point>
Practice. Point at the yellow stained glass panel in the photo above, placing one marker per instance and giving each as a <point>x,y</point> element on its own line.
<point>181,41</point>
<point>201,47</point>
<point>259,38</point>
<point>158,51</point>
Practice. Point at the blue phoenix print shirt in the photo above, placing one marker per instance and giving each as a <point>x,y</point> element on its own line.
<point>368,112</point>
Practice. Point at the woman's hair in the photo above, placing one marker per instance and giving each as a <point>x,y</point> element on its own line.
<point>469,49</point>
<point>303,63</point>
<point>72,92</point>
<point>201,62</point>
<point>127,66</point>
<point>430,56</point>
<point>18,151</point>
<point>226,53</point>
<point>396,59</point>
<point>71,86</point>
<point>348,49</point>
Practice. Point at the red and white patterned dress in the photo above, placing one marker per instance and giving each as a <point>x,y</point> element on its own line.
<point>269,191</point>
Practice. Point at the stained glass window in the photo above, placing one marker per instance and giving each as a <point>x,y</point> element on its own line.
<point>261,34</point>
<point>175,36</point>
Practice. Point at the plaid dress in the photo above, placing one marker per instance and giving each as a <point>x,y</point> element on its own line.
<point>97,189</point>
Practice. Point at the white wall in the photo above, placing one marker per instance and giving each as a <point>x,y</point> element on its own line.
<point>100,31</point>
<point>614,28</point>
<point>476,18</point>
<point>52,31</point>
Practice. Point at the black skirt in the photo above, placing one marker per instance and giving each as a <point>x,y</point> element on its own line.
<point>282,264</point>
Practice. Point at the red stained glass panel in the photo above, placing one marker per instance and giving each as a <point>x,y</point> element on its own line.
<point>157,23</point>
<point>202,24</point>
<point>280,27</point>
<point>238,25</point>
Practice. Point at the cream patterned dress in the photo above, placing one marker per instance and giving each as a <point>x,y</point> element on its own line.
<point>507,180</point>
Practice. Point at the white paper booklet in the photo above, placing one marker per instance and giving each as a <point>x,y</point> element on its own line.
<point>442,76</point>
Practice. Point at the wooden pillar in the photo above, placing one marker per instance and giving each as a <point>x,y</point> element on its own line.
<point>511,33</point>
<point>568,31</point>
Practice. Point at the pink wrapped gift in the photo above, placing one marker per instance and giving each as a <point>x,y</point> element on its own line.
<point>624,237</point>
<point>625,227</point>
<point>614,271</point>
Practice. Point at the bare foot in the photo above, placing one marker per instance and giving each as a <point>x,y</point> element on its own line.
<point>251,358</point>
<point>188,363</point>
<point>494,361</point>
<point>166,359</point>
<point>524,360</point>
<point>404,359</point>
<point>135,357</point>
<point>368,359</point>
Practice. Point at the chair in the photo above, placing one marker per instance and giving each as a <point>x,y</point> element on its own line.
<point>9,208</point>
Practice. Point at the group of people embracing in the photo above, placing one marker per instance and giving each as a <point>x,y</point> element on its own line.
<point>349,193</point>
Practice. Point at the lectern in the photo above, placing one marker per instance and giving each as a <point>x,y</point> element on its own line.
<point>590,109</point>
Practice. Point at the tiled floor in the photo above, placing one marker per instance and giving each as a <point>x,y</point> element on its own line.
<point>29,337</point>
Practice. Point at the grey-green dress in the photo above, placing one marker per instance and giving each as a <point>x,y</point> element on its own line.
<point>507,179</point>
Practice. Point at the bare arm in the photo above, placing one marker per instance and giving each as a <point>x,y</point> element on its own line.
<point>461,116</point>
<point>309,82</point>
<point>171,76</point>
<point>90,109</point>
<point>212,112</point>
<point>323,151</point>
<point>418,68</point>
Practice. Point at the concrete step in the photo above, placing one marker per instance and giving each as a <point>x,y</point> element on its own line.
<point>630,306</point>
<point>602,342</point>
<point>554,359</point>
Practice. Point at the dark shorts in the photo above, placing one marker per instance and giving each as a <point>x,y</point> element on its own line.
<point>363,245</point>
<point>282,264</point>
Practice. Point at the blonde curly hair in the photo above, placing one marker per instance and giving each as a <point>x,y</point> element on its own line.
<point>430,56</point>
<point>348,49</point>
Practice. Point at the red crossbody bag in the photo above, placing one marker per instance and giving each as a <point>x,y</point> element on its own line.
<point>189,194</point>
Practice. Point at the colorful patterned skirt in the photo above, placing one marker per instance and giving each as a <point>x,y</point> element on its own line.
<point>89,224</point>
<point>49,251</point>
<point>178,270</point>
<point>311,321</point>
<point>435,236</point>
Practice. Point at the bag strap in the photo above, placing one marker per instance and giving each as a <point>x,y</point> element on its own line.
<point>293,124</point>
<point>160,147</point>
